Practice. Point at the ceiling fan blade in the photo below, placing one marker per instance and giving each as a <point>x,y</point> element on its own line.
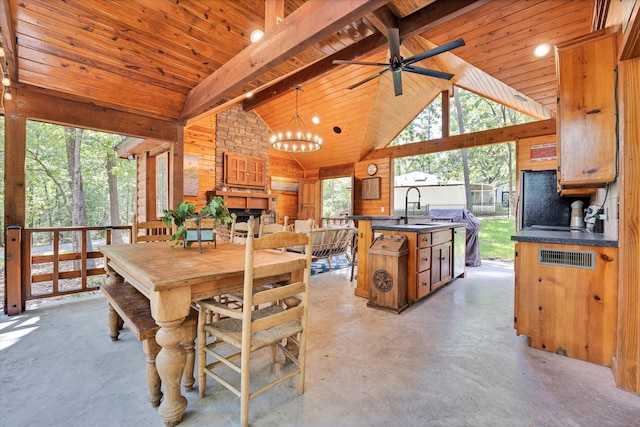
<point>397,82</point>
<point>433,52</point>
<point>345,62</point>
<point>427,72</point>
<point>368,79</point>
<point>393,34</point>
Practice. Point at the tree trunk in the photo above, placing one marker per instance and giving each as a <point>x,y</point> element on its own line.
<point>114,206</point>
<point>464,152</point>
<point>79,210</point>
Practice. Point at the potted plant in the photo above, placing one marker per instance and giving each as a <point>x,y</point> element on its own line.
<point>186,211</point>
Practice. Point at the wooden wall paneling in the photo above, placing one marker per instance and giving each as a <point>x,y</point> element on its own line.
<point>627,363</point>
<point>287,201</point>
<point>376,207</point>
<point>525,156</point>
<point>199,141</point>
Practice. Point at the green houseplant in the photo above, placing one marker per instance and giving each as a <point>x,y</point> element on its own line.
<point>216,209</point>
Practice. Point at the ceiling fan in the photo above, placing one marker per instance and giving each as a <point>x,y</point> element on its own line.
<point>397,64</point>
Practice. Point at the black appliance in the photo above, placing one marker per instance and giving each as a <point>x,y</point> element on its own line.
<point>540,203</point>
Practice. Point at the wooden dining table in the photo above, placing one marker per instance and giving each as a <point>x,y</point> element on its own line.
<point>173,278</point>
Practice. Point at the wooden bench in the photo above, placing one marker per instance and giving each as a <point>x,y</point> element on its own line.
<point>128,305</point>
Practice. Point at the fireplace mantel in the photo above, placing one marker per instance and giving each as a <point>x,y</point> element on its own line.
<point>245,201</point>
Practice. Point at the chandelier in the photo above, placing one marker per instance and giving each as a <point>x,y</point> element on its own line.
<point>296,138</point>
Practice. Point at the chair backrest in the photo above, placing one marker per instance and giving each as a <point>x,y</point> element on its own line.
<point>273,228</point>
<point>239,232</point>
<point>302,225</point>
<point>298,289</point>
<point>150,231</point>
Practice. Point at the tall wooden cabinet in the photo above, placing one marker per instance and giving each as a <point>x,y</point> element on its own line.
<point>586,69</point>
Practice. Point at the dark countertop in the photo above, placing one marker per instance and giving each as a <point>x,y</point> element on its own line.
<point>564,237</point>
<point>374,217</point>
<point>427,227</point>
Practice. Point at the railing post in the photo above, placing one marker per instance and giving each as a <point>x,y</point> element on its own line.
<point>14,301</point>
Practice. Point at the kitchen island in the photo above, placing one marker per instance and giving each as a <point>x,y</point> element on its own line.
<point>566,291</point>
<point>430,260</point>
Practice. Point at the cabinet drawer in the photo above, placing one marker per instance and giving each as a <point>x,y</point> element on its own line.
<point>424,240</point>
<point>424,259</point>
<point>423,284</point>
<point>441,237</point>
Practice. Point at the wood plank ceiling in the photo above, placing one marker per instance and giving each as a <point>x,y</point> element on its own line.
<point>147,56</point>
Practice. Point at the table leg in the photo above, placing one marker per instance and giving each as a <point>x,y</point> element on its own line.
<point>170,364</point>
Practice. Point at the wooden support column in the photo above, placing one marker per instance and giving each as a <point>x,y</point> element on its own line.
<point>446,126</point>
<point>15,131</point>
<point>626,364</point>
<point>176,173</point>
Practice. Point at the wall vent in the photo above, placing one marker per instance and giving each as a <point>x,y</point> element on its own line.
<point>567,258</point>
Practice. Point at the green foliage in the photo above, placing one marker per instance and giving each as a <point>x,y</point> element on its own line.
<point>487,164</point>
<point>336,196</point>
<point>216,209</point>
<point>48,193</point>
<point>495,239</point>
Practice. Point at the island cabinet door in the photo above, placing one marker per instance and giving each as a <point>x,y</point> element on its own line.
<point>440,265</point>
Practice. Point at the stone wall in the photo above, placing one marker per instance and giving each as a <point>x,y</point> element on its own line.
<point>240,132</point>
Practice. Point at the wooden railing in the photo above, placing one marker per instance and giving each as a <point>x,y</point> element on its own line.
<point>55,269</point>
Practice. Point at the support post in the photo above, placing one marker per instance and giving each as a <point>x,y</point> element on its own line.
<point>14,301</point>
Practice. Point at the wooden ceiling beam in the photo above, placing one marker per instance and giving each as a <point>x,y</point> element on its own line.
<point>35,104</point>
<point>363,47</point>
<point>381,18</point>
<point>486,137</point>
<point>309,24</point>
<point>436,14</point>
<point>273,13</point>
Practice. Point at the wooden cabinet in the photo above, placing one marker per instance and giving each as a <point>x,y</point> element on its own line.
<point>423,266</point>
<point>441,258</point>
<point>566,299</point>
<point>244,171</point>
<point>587,116</point>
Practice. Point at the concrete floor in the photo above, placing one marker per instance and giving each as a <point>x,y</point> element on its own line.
<point>450,360</point>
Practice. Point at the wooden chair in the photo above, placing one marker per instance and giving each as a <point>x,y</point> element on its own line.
<point>152,231</point>
<point>239,232</point>
<point>247,330</point>
<point>273,228</point>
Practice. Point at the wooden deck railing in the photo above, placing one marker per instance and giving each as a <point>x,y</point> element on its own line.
<point>55,269</point>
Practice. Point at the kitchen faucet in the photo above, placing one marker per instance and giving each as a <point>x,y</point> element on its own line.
<point>406,203</point>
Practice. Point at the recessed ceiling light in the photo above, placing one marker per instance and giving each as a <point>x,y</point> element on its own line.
<point>541,50</point>
<point>315,119</point>
<point>256,35</point>
<point>248,94</point>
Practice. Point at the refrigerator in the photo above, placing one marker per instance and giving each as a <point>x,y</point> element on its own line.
<point>540,203</point>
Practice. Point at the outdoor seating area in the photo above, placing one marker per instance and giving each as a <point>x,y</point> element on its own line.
<point>480,373</point>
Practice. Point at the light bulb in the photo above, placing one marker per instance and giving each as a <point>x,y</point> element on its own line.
<point>7,94</point>
<point>6,81</point>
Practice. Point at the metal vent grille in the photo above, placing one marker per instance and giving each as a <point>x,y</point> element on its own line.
<point>567,258</point>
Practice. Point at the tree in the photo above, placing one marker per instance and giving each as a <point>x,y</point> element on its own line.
<point>464,152</point>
